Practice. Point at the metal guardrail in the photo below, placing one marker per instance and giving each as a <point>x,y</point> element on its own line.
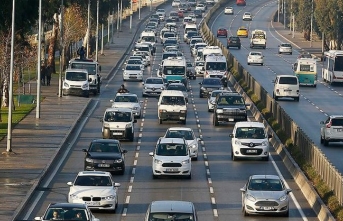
<point>310,151</point>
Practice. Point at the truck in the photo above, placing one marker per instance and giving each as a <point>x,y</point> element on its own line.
<point>76,82</point>
<point>258,39</point>
<point>93,69</point>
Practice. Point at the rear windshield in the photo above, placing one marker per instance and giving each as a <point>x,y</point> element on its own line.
<point>337,122</point>
<point>288,80</point>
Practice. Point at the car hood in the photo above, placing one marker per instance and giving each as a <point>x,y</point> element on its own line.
<point>133,71</point>
<point>104,155</point>
<point>154,86</point>
<point>267,195</point>
<point>92,190</point>
<point>125,104</point>
<point>211,86</point>
<point>230,107</point>
<point>172,159</point>
<point>191,142</point>
<point>174,78</point>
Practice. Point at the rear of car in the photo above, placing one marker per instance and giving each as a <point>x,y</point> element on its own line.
<point>242,32</point>
<point>285,48</point>
<point>332,130</point>
<point>222,32</point>
<point>171,210</point>
<point>228,11</point>
<point>255,57</point>
<point>233,42</point>
<point>286,86</point>
<point>247,16</point>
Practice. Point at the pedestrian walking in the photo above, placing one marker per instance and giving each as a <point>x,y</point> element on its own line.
<point>42,74</point>
<point>48,76</point>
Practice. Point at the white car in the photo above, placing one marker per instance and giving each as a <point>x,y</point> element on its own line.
<point>265,195</point>
<point>133,72</point>
<point>197,46</point>
<point>161,13</point>
<point>153,86</point>
<point>178,87</point>
<point>255,57</point>
<point>188,135</point>
<point>171,157</point>
<point>228,11</point>
<point>194,18</point>
<point>199,68</point>
<point>97,189</point>
<point>176,3</point>
<point>210,2</point>
<point>285,48</point>
<point>249,140</point>
<point>145,55</point>
<point>144,61</point>
<point>136,61</point>
<point>212,99</point>
<point>200,7</point>
<point>247,16</point>
<point>128,100</point>
<point>331,130</point>
<point>286,86</point>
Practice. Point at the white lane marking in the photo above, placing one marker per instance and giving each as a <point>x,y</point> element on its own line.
<point>130,189</point>
<point>297,205</point>
<point>59,164</point>
<point>127,201</point>
<point>124,211</point>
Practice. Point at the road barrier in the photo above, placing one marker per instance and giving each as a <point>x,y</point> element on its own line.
<point>310,151</point>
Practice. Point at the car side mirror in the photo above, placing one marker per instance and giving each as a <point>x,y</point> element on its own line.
<point>273,81</point>
<point>99,68</point>
<point>123,69</point>
<point>200,83</point>
<point>242,190</point>
<point>247,105</point>
<point>101,120</point>
<point>199,139</point>
<point>203,68</point>
<point>288,191</point>
<point>124,151</point>
<point>70,183</point>
<point>111,101</point>
<point>89,80</point>
<point>151,154</point>
<point>142,83</point>
<point>84,150</point>
<point>231,135</point>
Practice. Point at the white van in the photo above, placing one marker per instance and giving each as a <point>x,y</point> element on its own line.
<point>190,27</point>
<point>286,86</point>
<point>172,106</point>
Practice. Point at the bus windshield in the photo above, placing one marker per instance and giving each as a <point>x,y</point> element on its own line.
<point>174,70</point>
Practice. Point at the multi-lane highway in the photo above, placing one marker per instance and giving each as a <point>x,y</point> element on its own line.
<point>216,179</point>
<point>315,103</point>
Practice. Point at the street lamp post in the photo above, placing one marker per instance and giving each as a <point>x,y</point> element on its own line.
<point>131,16</point>
<point>121,14</point>
<point>88,27</point>
<point>311,32</point>
<point>278,10</point>
<point>39,60</point>
<point>109,25</point>
<point>9,122</point>
<point>284,14</point>
<point>61,52</point>
<point>139,10</point>
<point>97,31</point>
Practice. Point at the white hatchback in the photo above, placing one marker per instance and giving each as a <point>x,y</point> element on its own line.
<point>255,57</point>
<point>247,16</point>
<point>331,130</point>
<point>228,11</point>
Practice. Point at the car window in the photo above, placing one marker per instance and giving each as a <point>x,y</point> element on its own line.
<point>265,185</point>
<point>173,100</point>
<point>132,99</point>
<point>171,150</point>
<point>230,100</point>
<point>177,87</point>
<point>250,132</point>
<point>93,181</point>
<point>337,122</point>
<point>104,148</point>
<point>288,80</point>
<point>211,81</point>
<point>133,67</point>
<point>154,81</point>
<point>188,135</point>
<point>116,116</point>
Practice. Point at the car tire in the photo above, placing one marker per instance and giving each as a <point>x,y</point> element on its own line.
<point>261,64</point>
<point>215,120</point>
<point>286,214</point>
<point>291,53</point>
<point>248,63</point>
<point>239,47</point>
<point>326,142</point>
<point>296,99</point>
<point>131,136</point>
<point>184,122</point>
<point>321,139</point>
<point>189,177</point>
<point>200,96</point>
<point>154,176</point>
<point>122,172</point>
<point>245,212</point>
<point>160,121</point>
<point>265,158</point>
<point>195,158</point>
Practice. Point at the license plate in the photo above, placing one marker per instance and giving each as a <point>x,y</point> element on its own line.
<point>103,165</point>
<point>340,130</point>
<point>267,208</point>
<point>251,151</point>
<point>115,133</point>
<point>287,90</point>
<point>231,119</point>
<point>172,169</point>
<point>92,203</point>
<point>133,76</point>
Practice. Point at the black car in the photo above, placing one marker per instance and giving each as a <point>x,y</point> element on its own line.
<point>105,155</point>
<point>229,107</point>
<point>208,85</point>
<point>198,13</point>
<point>233,41</point>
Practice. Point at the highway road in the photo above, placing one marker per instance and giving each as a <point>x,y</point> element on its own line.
<point>216,179</point>
<point>315,103</point>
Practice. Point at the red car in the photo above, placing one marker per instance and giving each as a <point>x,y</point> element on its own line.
<point>222,32</point>
<point>180,14</point>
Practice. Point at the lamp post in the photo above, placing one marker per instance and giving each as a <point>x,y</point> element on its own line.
<point>131,16</point>
<point>278,10</point>
<point>61,52</point>
<point>311,32</point>
<point>39,60</point>
<point>284,14</point>
<point>121,14</point>
<point>9,124</point>
<point>97,31</point>
<point>139,10</point>
<point>88,27</point>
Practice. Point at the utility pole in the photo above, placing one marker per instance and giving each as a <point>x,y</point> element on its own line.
<point>131,12</point>
<point>139,10</point>
<point>284,14</point>
<point>88,27</point>
<point>121,14</point>
<point>61,51</point>
<point>39,60</point>
<point>109,25</point>
<point>311,25</point>
<point>9,122</point>
<point>97,31</point>
<point>278,10</point>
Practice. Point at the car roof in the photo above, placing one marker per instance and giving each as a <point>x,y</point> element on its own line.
<point>171,93</point>
<point>171,206</point>
<point>172,140</point>
<point>180,128</point>
<point>249,124</point>
<point>336,116</point>
<point>120,109</point>
<point>105,141</point>
<point>154,78</point>
<point>285,75</point>
<point>178,84</point>
<point>68,205</point>
<point>93,173</point>
<point>127,94</point>
<point>265,177</point>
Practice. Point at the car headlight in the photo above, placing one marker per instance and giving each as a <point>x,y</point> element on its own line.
<point>238,142</point>
<point>265,143</point>
<point>283,198</point>
<point>193,146</point>
<point>74,196</point>
<point>84,86</point>
<point>219,111</point>
<point>212,102</point>
<point>145,88</point>
<point>106,125</point>
<point>221,88</point>
<point>156,161</point>
<point>161,88</point>
<point>66,84</point>
<point>183,111</point>
<point>128,125</point>
<point>162,110</point>
<point>125,73</point>
<point>250,197</point>
<point>111,197</point>
<point>202,88</point>
<point>118,160</point>
<point>185,161</point>
<point>89,160</point>
<point>135,108</point>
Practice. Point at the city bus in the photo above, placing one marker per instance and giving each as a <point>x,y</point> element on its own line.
<point>332,70</point>
<point>241,2</point>
<point>306,71</point>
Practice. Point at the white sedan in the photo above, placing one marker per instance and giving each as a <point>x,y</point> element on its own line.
<point>128,100</point>
<point>228,11</point>
<point>97,189</point>
<point>255,57</point>
<point>247,16</point>
<point>133,72</point>
<point>200,7</point>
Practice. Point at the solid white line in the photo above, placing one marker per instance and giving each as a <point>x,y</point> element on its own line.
<point>297,205</point>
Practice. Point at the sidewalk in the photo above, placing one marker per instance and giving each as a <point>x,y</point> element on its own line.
<point>314,48</point>
<point>35,142</point>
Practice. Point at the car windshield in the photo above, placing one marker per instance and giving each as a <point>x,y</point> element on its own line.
<point>187,134</point>
<point>60,213</point>
<point>116,116</point>
<point>201,64</point>
<point>170,41</point>
<point>173,100</point>
<point>288,80</point>
<point>265,185</point>
<point>174,70</point>
<point>177,88</point>
<point>211,81</point>
<point>250,132</point>
<point>195,40</point>
<point>148,38</point>
<point>337,122</point>
<point>168,55</point>
<point>286,45</point>
<point>190,34</point>
<point>230,100</point>
<point>215,93</point>
<point>168,35</point>
<point>104,147</point>
<point>220,66</point>
<point>120,98</point>
<point>160,10</point>
<point>255,53</point>
<point>189,65</point>
<point>154,81</point>
<point>93,181</point>
<point>133,67</point>
<point>171,149</point>
<point>170,216</point>
<point>76,76</point>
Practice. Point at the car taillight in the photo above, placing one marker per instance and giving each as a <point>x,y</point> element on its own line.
<point>328,125</point>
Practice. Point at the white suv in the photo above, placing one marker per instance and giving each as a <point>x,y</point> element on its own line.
<point>118,123</point>
<point>331,130</point>
<point>128,100</point>
<point>249,140</point>
<point>171,157</point>
<point>286,86</point>
<point>172,106</point>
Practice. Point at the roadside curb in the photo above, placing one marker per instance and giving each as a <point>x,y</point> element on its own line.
<point>47,167</point>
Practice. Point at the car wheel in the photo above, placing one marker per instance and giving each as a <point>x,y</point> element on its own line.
<point>261,64</point>
<point>122,172</point>
<point>195,158</point>
<point>286,214</point>
<point>265,158</point>
<point>321,139</point>
<point>248,63</point>
<point>200,96</point>
<point>184,122</point>
<point>239,47</point>
<point>290,53</point>
<point>131,136</point>
<point>160,121</point>
<point>296,99</point>
<point>326,142</point>
<point>233,157</point>
<point>245,212</point>
<point>154,176</point>
<point>189,177</point>
<point>215,120</point>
